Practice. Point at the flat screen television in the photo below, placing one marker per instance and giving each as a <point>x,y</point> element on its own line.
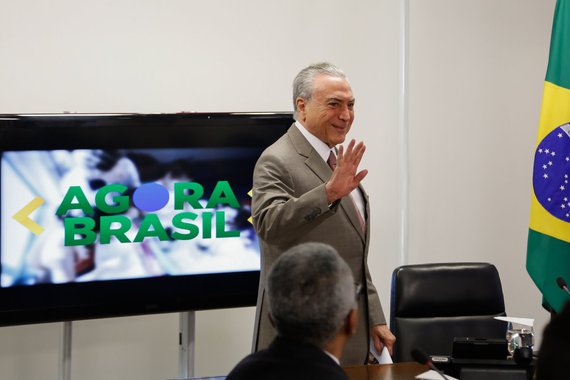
<point>128,214</point>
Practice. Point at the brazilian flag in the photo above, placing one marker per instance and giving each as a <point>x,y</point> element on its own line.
<point>548,249</point>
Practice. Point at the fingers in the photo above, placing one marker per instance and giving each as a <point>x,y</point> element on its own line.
<point>378,344</point>
<point>385,336</point>
<point>390,347</point>
<point>359,152</point>
<point>360,176</point>
<point>389,339</point>
<point>353,152</point>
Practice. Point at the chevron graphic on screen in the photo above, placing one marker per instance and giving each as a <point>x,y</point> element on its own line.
<point>23,218</point>
<point>250,194</point>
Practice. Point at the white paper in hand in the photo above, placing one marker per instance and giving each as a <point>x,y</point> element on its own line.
<point>433,375</point>
<point>382,357</point>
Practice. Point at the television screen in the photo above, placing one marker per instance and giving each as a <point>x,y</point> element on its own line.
<point>113,215</point>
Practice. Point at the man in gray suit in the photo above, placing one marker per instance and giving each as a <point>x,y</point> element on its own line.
<point>298,197</point>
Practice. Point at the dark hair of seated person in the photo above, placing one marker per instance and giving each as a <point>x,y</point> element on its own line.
<point>554,356</point>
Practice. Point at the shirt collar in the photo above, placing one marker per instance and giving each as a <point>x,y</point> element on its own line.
<point>332,357</point>
<point>322,149</point>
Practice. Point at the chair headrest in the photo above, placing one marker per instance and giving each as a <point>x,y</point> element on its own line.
<point>447,289</point>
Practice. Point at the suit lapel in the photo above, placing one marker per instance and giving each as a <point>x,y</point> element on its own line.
<point>322,170</point>
<point>312,159</point>
<point>349,207</point>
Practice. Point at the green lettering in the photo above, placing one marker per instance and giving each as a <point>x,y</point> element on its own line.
<point>151,226</point>
<point>114,225</point>
<point>120,203</point>
<point>181,195</point>
<point>207,225</point>
<point>221,225</point>
<point>81,226</point>
<point>179,221</point>
<point>223,195</point>
<point>67,204</point>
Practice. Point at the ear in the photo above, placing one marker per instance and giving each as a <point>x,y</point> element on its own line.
<point>271,320</point>
<point>301,105</point>
<point>351,322</point>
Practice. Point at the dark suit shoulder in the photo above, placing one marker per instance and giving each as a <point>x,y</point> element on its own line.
<point>286,360</point>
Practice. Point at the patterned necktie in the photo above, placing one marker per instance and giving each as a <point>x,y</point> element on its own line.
<point>332,163</point>
<point>332,160</point>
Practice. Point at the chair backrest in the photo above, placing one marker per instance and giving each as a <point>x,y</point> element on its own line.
<point>433,303</point>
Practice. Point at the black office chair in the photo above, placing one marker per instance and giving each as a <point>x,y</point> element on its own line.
<point>433,303</point>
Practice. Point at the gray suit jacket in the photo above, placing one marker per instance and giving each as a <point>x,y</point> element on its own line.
<point>289,207</point>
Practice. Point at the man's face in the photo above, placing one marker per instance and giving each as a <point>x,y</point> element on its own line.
<point>330,112</point>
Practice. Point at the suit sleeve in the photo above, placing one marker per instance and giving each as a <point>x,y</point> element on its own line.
<point>281,209</point>
<point>375,312</point>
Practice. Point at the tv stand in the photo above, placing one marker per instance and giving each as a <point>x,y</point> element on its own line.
<point>65,352</point>
<point>186,344</point>
<point>186,347</point>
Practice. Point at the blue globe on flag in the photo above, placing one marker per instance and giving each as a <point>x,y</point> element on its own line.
<point>551,174</point>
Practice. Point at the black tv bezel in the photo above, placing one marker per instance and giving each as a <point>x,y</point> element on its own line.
<point>103,299</point>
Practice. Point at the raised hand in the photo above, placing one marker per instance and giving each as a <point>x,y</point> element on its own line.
<point>345,178</point>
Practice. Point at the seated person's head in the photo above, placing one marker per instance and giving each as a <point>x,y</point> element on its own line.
<point>312,294</point>
<point>553,357</point>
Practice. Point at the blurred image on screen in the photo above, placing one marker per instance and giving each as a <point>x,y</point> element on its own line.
<point>29,259</point>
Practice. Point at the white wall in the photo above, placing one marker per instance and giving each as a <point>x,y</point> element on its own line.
<point>476,74</point>
<point>476,78</point>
